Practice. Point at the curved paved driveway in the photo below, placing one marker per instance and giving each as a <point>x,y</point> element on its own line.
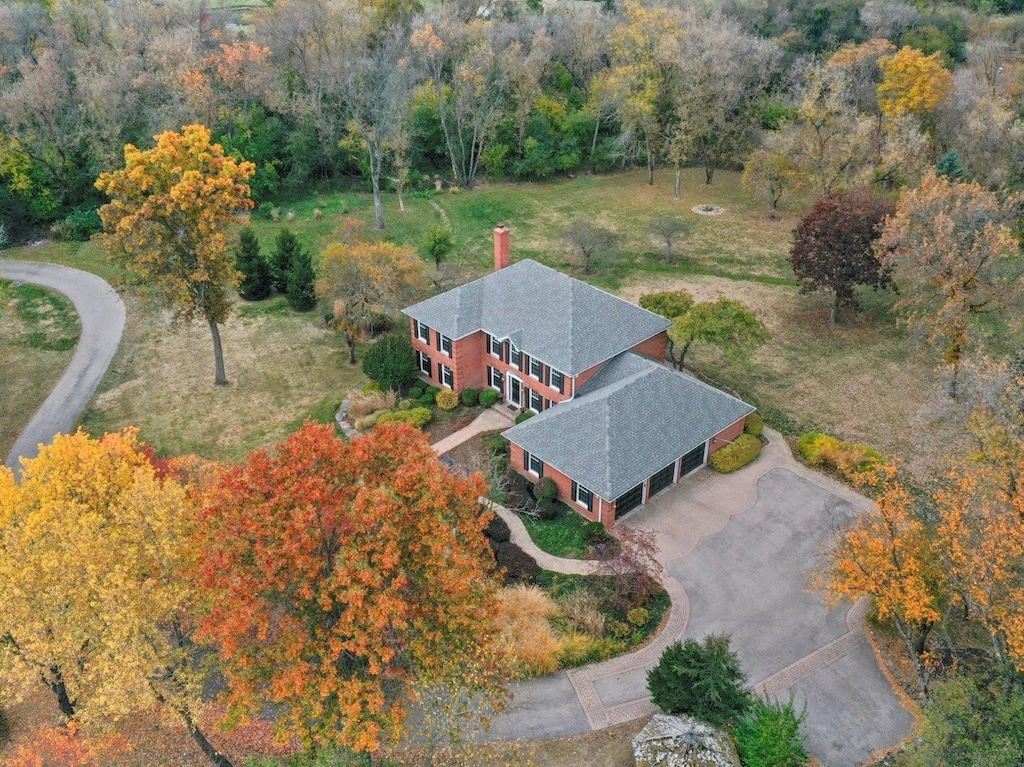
<point>737,551</point>
<point>102,315</point>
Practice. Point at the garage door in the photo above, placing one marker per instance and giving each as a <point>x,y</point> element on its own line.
<point>692,460</point>
<point>629,500</point>
<point>662,479</point>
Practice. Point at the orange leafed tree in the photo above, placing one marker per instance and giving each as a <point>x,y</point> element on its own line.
<point>912,83</point>
<point>887,554</point>
<point>341,573</point>
<point>981,539</point>
<point>365,279</point>
<point>172,212</point>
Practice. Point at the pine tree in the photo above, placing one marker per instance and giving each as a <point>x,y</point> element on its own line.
<point>301,293</point>
<point>281,266</point>
<point>950,167</point>
<point>257,282</point>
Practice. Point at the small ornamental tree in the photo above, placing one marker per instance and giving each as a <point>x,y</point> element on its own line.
<point>257,281</point>
<point>702,679</point>
<point>390,361</point>
<point>438,244</point>
<point>301,281</point>
<point>669,304</point>
<point>724,323</point>
<point>590,241</point>
<point>281,263</point>
<point>832,247</point>
<point>668,230</point>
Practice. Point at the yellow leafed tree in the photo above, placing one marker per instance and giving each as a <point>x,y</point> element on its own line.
<point>912,83</point>
<point>95,598</point>
<point>170,220</point>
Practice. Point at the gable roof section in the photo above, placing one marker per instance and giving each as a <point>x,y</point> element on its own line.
<point>561,321</point>
<point>629,421</point>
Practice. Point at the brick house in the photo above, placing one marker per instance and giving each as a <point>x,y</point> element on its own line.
<point>614,425</point>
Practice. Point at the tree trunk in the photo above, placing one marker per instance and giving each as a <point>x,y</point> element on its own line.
<point>378,205</point>
<point>593,144</point>
<point>953,381</point>
<point>682,354</point>
<point>215,756</point>
<point>709,173</point>
<point>56,683</point>
<point>219,376</point>
<point>679,176</point>
<point>351,341</point>
<point>833,316</point>
<point>650,167</point>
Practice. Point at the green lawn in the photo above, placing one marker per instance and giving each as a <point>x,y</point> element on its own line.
<point>563,536</point>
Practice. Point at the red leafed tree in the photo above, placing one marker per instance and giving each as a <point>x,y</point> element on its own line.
<point>832,247</point>
<point>341,573</point>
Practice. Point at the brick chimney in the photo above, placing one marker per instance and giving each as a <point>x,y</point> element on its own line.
<point>501,247</point>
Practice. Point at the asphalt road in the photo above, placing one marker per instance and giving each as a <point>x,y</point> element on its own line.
<point>102,315</point>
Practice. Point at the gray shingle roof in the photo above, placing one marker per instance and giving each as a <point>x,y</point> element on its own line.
<point>561,321</point>
<point>629,421</point>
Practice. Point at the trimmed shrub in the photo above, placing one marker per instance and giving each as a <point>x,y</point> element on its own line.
<point>526,416</point>
<point>427,400</point>
<point>415,392</point>
<point>702,679</point>
<point>519,566</point>
<point>447,399</point>
<point>431,390</point>
<point>545,489</point>
<point>496,443</point>
<point>595,534</point>
<point>488,397</point>
<point>737,455</point>
<point>769,736</point>
<point>417,416</point>
<point>366,422</point>
<point>406,404</point>
<point>548,510</point>
<point>638,616</point>
<point>257,282</point>
<point>469,397</point>
<point>390,362</point>
<point>753,425</point>
<point>497,530</point>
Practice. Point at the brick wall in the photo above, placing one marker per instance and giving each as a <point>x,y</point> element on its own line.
<point>468,362</point>
<point>654,346</point>
<point>603,510</point>
<point>726,436</point>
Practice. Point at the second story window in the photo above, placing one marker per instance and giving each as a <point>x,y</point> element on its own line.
<point>422,332</point>
<point>495,347</point>
<point>515,357</point>
<point>536,368</point>
<point>444,343</point>
<point>557,381</point>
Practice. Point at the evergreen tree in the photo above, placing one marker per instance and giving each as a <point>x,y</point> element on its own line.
<point>390,361</point>
<point>287,246</point>
<point>301,294</point>
<point>950,167</point>
<point>257,282</point>
<point>702,679</point>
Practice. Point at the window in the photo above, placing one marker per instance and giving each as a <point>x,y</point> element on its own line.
<point>423,361</point>
<point>557,381</point>
<point>515,356</point>
<point>536,368</point>
<point>495,347</point>
<point>444,343</point>
<point>445,376</point>
<point>536,401</point>
<point>582,496</point>
<point>533,464</point>
<point>495,377</point>
<point>422,332</point>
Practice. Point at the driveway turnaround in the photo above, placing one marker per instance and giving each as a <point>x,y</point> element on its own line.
<point>102,315</point>
<point>738,551</point>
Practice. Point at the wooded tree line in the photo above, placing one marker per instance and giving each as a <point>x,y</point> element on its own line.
<point>397,95</point>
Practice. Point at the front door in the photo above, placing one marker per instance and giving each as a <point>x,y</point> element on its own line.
<point>514,391</point>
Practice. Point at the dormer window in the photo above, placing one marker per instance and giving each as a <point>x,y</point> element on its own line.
<point>422,332</point>
<point>495,347</point>
<point>515,357</point>
<point>536,368</point>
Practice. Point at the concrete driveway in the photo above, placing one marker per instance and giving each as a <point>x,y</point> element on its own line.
<point>102,315</point>
<point>738,551</point>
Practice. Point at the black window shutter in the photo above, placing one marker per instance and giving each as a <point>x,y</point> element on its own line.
<point>540,472</point>
<point>440,373</point>
<point>574,486</point>
<point>487,342</point>
<point>526,460</point>
<point>547,375</point>
<point>437,336</point>
<point>590,502</point>
<point>561,384</point>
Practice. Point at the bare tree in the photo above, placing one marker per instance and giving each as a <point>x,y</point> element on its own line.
<point>590,240</point>
<point>668,230</point>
